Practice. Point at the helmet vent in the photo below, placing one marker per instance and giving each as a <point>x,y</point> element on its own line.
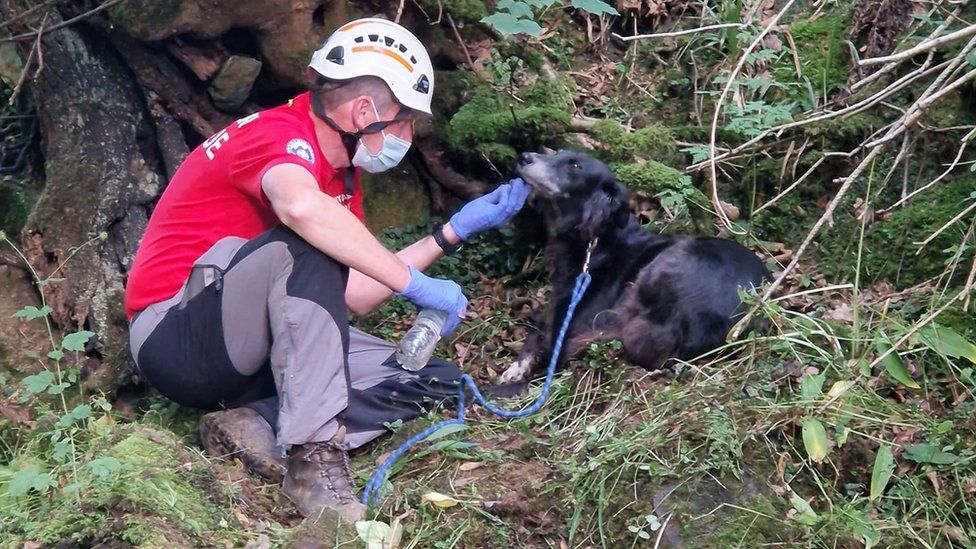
<point>413,60</point>
<point>389,41</point>
<point>335,55</point>
<point>359,39</point>
<point>403,49</point>
<point>422,85</point>
<point>374,38</point>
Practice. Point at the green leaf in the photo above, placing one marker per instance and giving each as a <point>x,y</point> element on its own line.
<point>815,439</point>
<point>55,355</point>
<point>27,479</point>
<point>104,467</point>
<point>811,387</point>
<point>76,341</point>
<point>596,7</point>
<point>893,364</point>
<point>508,24</point>
<point>804,513</point>
<point>30,312</point>
<point>518,9</point>
<point>447,430</point>
<point>375,534</point>
<point>57,389</point>
<point>929,452</point>
<point>38,383</point>
<point>884,464</point>
<point>82,411</point>
<point>947,341</point>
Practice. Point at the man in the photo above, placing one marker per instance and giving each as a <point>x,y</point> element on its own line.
<point>239,291</point>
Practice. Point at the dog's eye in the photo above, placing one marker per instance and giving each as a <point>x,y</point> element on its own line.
<point>575,165</point>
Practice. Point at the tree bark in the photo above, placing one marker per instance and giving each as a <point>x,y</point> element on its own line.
<point>103,169</point>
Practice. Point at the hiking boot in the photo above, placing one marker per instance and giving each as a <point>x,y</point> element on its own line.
<point>241,433</point>
<point>318,479</point>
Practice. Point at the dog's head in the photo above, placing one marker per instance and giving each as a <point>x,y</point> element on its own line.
<point>582,191</point>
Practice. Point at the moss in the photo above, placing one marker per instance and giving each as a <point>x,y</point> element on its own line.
<point>823,55</point>
<point>651,177</point>
<point>14,208</point>
<point>651,141</point>
<point>465,10</point>
<point>159,491</point>
<point>495,125</point>
<point>889,246</point>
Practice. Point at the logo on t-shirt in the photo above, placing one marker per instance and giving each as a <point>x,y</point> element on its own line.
<point>301,148</point>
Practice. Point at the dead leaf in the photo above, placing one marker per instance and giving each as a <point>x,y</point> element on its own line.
<point>936,485</point>
<point>470,465</point>
<point>840,312</point>
<point>439,499</point>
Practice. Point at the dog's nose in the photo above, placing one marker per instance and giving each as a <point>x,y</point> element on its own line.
<point>525,159</point>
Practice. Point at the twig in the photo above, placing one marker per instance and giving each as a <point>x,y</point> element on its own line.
<point>969,284</point>
<point>36,48</point>
<point>457,36</point>
<point>399,12</point>
<point>947,224</point>
<point>787,190</point>
<point>679,33</point>
<point>827,216</point>
<point>891,67</point>
<point>923,47</point>
<point>27,13</point>
<point>61,25</point>
<point>850,110</point>
<point>955,162</point>
<point>716,202</point>
<point>915,111</point>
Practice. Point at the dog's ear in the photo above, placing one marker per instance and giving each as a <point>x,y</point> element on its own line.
<point>605,208</point>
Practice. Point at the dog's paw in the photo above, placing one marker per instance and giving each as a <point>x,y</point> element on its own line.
<point>516,372</point>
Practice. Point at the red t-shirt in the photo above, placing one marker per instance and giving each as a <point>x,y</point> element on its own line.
<point>217,193</point>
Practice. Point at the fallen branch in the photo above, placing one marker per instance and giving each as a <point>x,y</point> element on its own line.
<point>679,33</point>
<point>921,48</point>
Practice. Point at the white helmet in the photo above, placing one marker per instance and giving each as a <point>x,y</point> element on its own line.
<point>381,48</point>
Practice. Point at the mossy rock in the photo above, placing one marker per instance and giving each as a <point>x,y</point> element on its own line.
<point>142,487</point>
<point>653,141</point>
<point>496,125</point>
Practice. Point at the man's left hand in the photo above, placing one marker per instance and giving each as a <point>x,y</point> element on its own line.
<point>491,210</point>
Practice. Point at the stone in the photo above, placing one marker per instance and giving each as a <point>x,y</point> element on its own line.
<point>232,85</point>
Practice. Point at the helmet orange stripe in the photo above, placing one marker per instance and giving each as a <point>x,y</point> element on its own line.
<point>396,56</point>
<point>352,25</point>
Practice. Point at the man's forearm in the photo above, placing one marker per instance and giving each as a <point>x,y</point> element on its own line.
<point>330,227</point>
<point>363,294</point>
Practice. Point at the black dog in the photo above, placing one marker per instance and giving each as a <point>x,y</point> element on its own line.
<point>661,296</point>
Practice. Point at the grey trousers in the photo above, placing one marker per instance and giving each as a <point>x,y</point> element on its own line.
<point>263,323</point>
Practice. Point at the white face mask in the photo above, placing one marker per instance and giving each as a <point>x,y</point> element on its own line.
<point>391,153</point>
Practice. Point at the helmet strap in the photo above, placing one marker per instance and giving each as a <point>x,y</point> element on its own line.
<point>350,139</point>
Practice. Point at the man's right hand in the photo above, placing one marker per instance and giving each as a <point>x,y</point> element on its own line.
<point>438,294</point>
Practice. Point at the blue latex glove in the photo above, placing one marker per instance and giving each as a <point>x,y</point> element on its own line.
<point>491,210</point>
<point>438,294</point>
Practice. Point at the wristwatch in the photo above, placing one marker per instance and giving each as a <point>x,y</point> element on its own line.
<point>441,240</point>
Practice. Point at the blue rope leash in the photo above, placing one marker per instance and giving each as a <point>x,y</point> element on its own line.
<point>371,492</point>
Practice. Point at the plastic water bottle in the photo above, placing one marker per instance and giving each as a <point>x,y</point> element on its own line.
<point>416,348</point>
